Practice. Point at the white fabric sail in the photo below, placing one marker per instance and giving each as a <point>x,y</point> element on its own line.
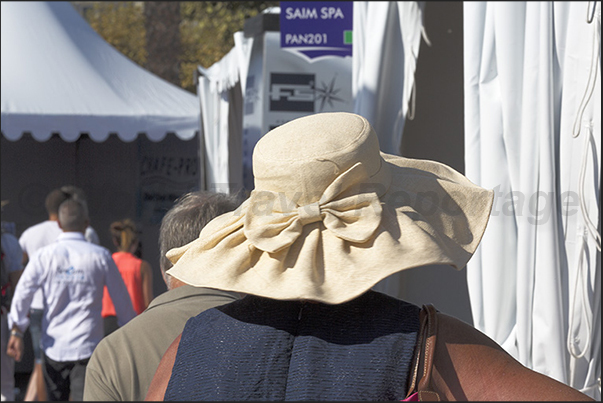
<point>386,40</point>
<point>532,84</point>
<point>221,103</point>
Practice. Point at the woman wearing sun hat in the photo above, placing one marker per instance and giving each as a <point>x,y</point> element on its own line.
<point>331,216</point>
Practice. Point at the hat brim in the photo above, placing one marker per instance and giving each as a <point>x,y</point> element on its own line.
<point>431,214</point>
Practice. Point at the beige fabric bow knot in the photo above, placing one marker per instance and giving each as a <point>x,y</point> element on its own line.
<point>349,213</point>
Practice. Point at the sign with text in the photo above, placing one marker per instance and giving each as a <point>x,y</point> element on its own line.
<point>317,28</point>
<point>166,170</point>
<point>282,86</point>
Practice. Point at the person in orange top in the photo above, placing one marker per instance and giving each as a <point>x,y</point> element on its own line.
<point>137,273</point>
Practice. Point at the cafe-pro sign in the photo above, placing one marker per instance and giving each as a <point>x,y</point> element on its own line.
<point>317,28</point>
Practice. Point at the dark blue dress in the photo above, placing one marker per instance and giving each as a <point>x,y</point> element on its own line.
<point>263,349</point>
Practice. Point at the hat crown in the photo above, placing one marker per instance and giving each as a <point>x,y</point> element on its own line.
<point>303,157</point>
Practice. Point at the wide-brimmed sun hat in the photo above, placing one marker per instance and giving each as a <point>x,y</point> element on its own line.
<point>331,215</point>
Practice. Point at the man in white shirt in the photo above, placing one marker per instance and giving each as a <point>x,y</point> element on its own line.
<point>32,239</point>
<point>72,274</point>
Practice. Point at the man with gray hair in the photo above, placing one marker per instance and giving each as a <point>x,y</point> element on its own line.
<point>72,273</point>
<point>123,364</point>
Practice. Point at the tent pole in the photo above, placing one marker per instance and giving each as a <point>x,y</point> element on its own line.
<point>201,138</point>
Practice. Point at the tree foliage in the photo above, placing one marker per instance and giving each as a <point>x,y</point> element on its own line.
<point>206,30</point>
<point>164,47</point>
<point>121,23</point>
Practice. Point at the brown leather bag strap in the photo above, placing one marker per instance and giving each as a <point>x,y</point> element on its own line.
<point>426,344</point>
<point>430,329</point>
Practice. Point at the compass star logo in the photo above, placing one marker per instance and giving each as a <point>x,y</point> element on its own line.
<point>327,93</point>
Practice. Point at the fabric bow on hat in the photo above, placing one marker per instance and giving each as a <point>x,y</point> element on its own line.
<point>350,215</point>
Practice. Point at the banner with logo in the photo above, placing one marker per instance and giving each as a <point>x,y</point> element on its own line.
<point>317,29</point>
<point>282,86</point>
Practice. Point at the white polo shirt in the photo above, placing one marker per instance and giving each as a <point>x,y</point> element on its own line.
<point>40,235</point>
<point>71,272</point>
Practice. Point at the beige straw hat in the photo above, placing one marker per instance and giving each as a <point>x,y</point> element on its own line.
<point>331,215</point>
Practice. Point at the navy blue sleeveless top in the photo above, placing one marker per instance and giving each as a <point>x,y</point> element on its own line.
<point>263,349</point>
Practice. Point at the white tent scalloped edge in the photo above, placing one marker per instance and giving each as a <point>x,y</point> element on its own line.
<point>60,76</point>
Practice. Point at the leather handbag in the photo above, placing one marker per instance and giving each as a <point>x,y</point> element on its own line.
<point>420,386</point>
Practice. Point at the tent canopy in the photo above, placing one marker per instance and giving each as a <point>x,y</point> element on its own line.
<point>60,76</point>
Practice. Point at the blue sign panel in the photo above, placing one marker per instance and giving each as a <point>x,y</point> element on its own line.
<point>317,28</point>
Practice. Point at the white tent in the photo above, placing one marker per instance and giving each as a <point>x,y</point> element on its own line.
<point>533,134</point>
<point>60,76</point>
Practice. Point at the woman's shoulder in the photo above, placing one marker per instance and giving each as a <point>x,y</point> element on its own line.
<point>472,366</point>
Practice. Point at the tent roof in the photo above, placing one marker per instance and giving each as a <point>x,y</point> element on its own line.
<point>59,75</point>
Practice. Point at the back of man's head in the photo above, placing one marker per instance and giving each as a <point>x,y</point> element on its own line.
<point>185,220</point>
<point>73,215</point>
<point>59,195</point>
<point>54,200</point>
<point>74,192</point>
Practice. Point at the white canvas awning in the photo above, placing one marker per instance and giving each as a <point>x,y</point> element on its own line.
<point>60,76</point>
